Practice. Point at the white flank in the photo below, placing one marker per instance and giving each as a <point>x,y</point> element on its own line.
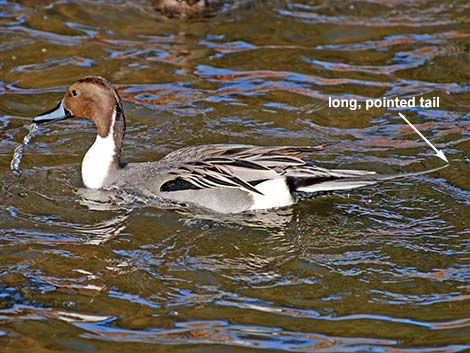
<point>275,194</point>
<point>98,160</point>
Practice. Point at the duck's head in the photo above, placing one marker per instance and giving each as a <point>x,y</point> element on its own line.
<point>91,97</point>
<point>94,98</point>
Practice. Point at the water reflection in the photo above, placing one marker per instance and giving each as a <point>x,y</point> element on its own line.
<point>383,269</point>
<point>99,233</point>
<point>221,332</point>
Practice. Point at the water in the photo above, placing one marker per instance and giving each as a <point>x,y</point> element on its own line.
<point>384,268</point>
<point>18,153</point>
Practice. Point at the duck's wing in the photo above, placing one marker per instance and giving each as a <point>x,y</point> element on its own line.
<point>247,173</point>
<point>216,172</point>
<point>194,153</point>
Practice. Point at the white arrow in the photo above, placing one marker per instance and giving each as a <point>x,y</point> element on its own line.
<point>439,153</point>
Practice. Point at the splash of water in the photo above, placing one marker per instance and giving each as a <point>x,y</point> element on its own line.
<point>18,153</point>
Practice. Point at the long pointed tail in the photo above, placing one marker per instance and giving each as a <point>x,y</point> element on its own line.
<point>347,180</point>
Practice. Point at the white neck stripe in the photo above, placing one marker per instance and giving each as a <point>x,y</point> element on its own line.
<point>99,158</point>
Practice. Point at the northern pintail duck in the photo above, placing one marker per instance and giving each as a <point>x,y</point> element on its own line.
<point>223,178</point>
<point>185,8</point>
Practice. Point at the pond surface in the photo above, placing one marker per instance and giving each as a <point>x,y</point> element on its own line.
<point>385,268</point>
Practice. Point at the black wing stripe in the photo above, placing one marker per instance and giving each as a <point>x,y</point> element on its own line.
<point>178,184</point>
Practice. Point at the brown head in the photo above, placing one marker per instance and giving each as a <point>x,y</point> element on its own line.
<point>94,98</point>
<point>91,97</point>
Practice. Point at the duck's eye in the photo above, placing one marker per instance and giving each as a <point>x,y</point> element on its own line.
<point>74,93</point>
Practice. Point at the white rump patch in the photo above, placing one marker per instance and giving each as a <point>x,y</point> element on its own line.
<point>98,159</point>
<point>275,194</point>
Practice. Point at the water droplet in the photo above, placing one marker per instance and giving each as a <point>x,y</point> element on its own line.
<point>18,153</point>
<point>69,304</point>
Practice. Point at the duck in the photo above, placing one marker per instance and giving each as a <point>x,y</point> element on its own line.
<point>221,178</point>
<point>184,9</point>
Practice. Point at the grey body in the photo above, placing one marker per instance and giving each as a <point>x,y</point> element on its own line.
<point>258,163</point>
<point>249,164</point>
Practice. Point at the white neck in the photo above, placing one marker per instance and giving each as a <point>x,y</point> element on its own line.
<point>98,160</point>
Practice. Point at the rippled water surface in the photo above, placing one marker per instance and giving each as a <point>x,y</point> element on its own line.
<point>385,268</point>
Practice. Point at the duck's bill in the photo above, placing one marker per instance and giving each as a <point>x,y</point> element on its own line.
<point>56,114</point>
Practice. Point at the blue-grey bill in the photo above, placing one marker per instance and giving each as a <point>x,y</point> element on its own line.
<point>56,114</point>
